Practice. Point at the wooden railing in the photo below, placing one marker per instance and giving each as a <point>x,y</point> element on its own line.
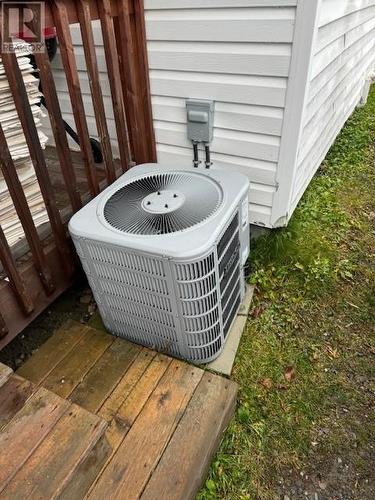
<point>32,284</point>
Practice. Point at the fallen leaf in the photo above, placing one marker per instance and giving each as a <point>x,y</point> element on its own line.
<point>267,383</point>
<point>289,373</point>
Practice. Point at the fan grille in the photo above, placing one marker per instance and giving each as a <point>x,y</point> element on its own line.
<point>163,203</point>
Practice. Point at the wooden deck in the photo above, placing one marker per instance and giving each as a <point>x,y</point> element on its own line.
<point>94,416</point>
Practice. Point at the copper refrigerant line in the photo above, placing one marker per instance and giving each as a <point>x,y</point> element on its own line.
<point>196,160</point>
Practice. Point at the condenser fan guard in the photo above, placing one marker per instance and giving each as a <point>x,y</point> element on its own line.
<point>163,203</point>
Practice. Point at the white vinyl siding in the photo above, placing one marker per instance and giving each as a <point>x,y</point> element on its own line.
<point>343,55</point>
<point>238,54</point>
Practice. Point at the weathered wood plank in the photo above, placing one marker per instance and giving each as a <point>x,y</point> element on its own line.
<point>51,468</point>
<point>115,82</point>
<point>194,442</point>
<point>137,398</point>
<point>112,404</point>
<point>84,14</point>
<point>138,454</point>
<point>129,75</point>
<point>49,355</point>
<point>139,30</point>
<point>64,378</point>
<point>5,373</point>
<point>13,395</point>
<point>26,430</point>
<point>87,471</point>
<point>104,375</point>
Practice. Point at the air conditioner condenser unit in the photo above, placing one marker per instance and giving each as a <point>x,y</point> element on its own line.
<point>164,251</point>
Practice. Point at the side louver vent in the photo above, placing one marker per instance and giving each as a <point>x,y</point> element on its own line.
<point>163,203</point>
<point>230,273</point>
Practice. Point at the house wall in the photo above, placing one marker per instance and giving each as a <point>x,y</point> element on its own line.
<point>236,52</point>
<point>343,55</point>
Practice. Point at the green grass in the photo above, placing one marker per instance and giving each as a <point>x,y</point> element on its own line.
<point>313,318</point>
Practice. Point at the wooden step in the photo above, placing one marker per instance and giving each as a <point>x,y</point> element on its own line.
<point>49,447</point>
<point>165,417</point>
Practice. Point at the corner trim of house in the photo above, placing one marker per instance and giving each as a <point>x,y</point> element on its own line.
<point>306,27</point>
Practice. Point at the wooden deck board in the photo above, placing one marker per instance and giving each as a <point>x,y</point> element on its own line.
<point>71,370</point>
<point>13,395</point>
<point>50,469</point>
<point>26,430</point>
<point>129,410</point>
<point>217,396</point>
<point>111,405</point>
<point>164,421</point>
<point>137,456</point>
<point>104,375</point>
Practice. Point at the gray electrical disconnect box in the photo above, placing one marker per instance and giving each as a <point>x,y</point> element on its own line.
<point>200,120</point>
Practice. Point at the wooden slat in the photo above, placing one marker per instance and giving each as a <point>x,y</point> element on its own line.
<point>23,211</point>
<point>116,84</point>
<point>51,353</point>
<point>13,395</point>
<point>10,268</point>
<point>194,442</point>
<point>135,401</point>
<point>104,375</point>
<point>144,81</point>
<point>26,118</point>
<point>128,67</point>
<point>111,405</point>
<point>58,129</point>
<point>51,468</point>
<point>138,454</point>
<point>61,21</point>
<point>83,7</point>
<point>70,371</point>
<point>26,430</point>
<point>5,373</point>
<point>86,472</point>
